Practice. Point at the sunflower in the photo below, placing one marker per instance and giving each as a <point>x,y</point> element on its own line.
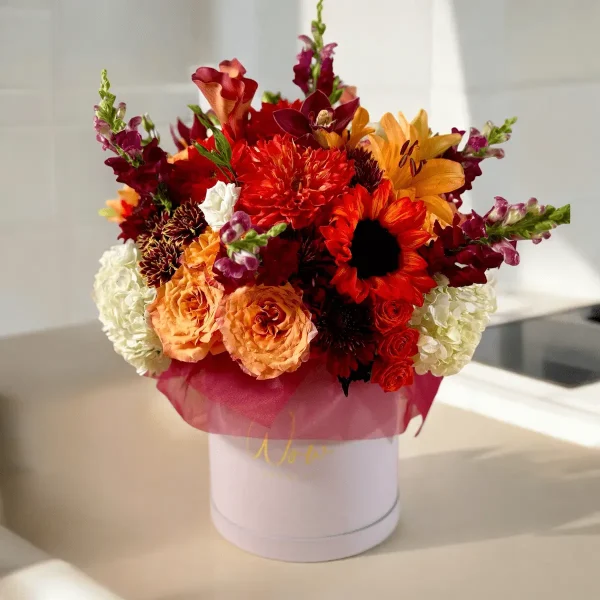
<point>407,154</point>
<point>373,239</point>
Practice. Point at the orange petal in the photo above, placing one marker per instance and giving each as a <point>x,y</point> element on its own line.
<point>439,207</point>
<point>438,176</point>
<point>329,139</point>
<point>359,127</point>
<point>223,107</point>
<point>393,130</point>
<point>438,144</point>
<point>403,215</point>
<point>412,262</point>
<point>413,238</point>
<point>421,125</point>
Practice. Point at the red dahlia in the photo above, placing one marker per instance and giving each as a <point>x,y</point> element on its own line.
<point>284,181</point>
<point>373,239</point>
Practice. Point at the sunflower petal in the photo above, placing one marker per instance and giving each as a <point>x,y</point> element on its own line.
<point>414,238</point>
<point>438,176</point>
<point>403,215</point>
<point>412,262</point>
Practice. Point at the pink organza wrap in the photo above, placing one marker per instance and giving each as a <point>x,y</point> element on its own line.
<point>216,396</point>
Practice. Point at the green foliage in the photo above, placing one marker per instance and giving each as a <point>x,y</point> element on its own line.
<point>221,155</point>
<point>337,92</point>
<point>271,97</point>
<point>253,240</point>
<point>495,135</point>
<point>162,199</point>
<point>106,109</point>
<point>150,129</point>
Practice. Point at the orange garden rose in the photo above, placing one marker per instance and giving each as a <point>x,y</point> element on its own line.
<point>267,329</point>
<point>184,315</point>
<point>201,253</point>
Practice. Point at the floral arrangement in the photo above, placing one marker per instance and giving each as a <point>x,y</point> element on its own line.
<point>298,233</point>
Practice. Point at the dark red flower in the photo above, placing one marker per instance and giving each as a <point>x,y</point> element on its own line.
<point>456,256</point>
<point>345,335</point>
<point>366,169</point>
<point>279,261</point>
<point>262,125</point>
<point>302,70</point>
<point>228,92</point>
<point>140,220</point>
<point>185,136</point>
<point>316,113</point>
<point>192,176</point>
<point>145,178</point>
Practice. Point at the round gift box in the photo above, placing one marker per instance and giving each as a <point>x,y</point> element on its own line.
<point>304,501</point>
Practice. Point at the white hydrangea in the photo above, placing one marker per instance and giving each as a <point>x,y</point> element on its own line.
<point>122,298</point>
<point>450,324</point>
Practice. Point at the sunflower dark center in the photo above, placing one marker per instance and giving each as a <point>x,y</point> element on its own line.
<point>375,251</point>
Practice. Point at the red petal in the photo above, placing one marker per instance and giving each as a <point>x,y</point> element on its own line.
<point>412,262</point>
<point>344,114</point>
<point>315,103</point>
<point>292,121</point>
<point>413,238</point>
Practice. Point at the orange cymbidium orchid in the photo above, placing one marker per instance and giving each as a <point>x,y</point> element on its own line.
<point>407,155</point>
<point>228,92</point>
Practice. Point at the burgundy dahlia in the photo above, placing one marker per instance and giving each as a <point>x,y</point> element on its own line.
<point>366,169</point>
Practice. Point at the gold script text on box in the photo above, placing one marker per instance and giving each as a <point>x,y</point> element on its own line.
<point>290,454</point>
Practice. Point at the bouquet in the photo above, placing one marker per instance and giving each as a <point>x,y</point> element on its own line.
<point>295,261</point>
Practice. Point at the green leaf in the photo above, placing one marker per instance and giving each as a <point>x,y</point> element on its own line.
<point>162,199</point>
<point>108,212</point>
<point>277,229</point>
<point>271,97</point>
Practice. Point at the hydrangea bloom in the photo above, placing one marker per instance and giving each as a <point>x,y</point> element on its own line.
<point>450,324</point>
<point>122,298</point>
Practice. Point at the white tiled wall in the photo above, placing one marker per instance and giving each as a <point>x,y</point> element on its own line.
<point>464,61</point>
<point>53,179</point>
<point>538,60</point>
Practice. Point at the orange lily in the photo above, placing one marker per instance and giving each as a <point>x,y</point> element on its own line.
<point>407,154</point>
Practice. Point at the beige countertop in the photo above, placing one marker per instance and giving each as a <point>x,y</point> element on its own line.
<point>97,469</point>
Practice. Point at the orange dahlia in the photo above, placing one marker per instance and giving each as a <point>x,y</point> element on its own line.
<point>284,181</point>
<point>373,239</point>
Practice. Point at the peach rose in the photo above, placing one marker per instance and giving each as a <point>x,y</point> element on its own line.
<point>267,329</point>
<point>202,252</point>
<point>184,316</point>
